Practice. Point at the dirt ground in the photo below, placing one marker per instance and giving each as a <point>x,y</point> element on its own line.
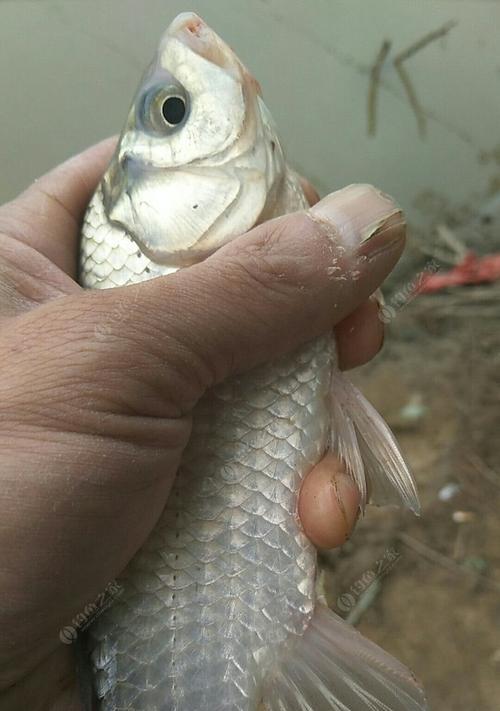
<point>428,589</point>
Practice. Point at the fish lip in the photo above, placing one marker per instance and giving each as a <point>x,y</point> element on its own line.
<point>189,21</point>
<point>194,33</point>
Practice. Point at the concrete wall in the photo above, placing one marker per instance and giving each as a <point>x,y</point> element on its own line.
<point>68,69</point>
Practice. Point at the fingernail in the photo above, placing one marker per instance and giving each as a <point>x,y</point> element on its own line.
<point>361,215</point>
<point>378,298</point>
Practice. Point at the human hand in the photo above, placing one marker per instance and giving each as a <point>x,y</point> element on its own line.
<point>92,429</point>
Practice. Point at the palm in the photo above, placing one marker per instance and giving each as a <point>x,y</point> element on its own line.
<point>92,484</point>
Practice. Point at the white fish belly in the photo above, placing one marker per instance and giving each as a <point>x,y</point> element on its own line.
<point>227,576</point>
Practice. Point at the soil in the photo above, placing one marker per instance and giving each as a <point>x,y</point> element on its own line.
<point>428,589</point>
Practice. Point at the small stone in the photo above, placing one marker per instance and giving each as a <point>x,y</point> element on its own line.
<point>463,516</point>
<point>448,491</point>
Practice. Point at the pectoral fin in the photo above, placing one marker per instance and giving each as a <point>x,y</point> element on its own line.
<point>360,436</point>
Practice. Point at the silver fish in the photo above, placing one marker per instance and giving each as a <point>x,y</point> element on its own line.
<point>219,611</point>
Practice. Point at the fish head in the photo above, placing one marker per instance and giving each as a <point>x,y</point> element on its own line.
<point>198,161</point>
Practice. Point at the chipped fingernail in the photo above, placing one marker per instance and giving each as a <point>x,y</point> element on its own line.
<point>361,215</point>
<point>378,298</point>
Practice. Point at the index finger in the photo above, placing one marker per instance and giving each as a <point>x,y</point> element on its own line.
<point>48,215</point>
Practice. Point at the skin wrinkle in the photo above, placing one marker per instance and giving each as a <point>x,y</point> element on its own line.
<point>173,396</point>
<point>11,301</point>
<point>20,229</point>
<point>78,416</point>
<point>190,342</point>
<point>102,447</point>
<point>38,381</point>
<point>191,372</point>
<point>327,227</point>
<point>51,403</point>
<point>74,181</point>
<point>225,277</point>
<point>51,197</point>
<point>80,172</point>
<point>78,351</point>
<point>277,271</point>
<point>33,276</point>
<point>55,400</point>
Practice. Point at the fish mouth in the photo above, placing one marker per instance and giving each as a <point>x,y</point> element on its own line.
<point>198,37</point>
<point>193,32</point>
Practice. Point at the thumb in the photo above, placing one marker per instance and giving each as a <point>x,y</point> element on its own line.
<point>260,296</point>
<point>152,349</point>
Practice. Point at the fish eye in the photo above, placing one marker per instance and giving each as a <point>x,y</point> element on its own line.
<point>162,107</point>
<point>173,110</point>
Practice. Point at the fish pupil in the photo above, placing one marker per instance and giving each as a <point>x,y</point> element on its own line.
<point>173,110</point>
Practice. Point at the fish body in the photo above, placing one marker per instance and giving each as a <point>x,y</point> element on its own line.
<point>218,610</point>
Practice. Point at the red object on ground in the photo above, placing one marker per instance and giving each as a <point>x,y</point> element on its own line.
<point>471,270</point>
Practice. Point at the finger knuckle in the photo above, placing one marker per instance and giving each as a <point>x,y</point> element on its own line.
<point>267,262</point>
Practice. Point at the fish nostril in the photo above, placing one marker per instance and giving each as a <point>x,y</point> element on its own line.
<point>123,162</point>
<point>195,26</point>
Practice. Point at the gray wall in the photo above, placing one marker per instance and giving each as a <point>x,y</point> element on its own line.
<point>68,69</point>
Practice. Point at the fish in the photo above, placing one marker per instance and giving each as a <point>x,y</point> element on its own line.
<point>219,609</point>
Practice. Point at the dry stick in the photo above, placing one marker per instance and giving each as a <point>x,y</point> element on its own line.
<point>365,601</point>
<point>435,252</point>
<point>404,76</point>
<point>375,73</point>
<point>447,238</point>
<point>434,557</point>
<point>424,41</point>
<point>412,98</point>
<point>482,468</point>
<point>462,303</point>
<point>450,239</point>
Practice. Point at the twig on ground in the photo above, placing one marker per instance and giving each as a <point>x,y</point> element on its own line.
<point>483,469</point>
<point>442,560</point>
<point>364,602</point>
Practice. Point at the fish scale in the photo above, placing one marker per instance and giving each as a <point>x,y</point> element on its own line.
<point>218,609</point>
<point>108,256</point>
<point>227,571</point>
